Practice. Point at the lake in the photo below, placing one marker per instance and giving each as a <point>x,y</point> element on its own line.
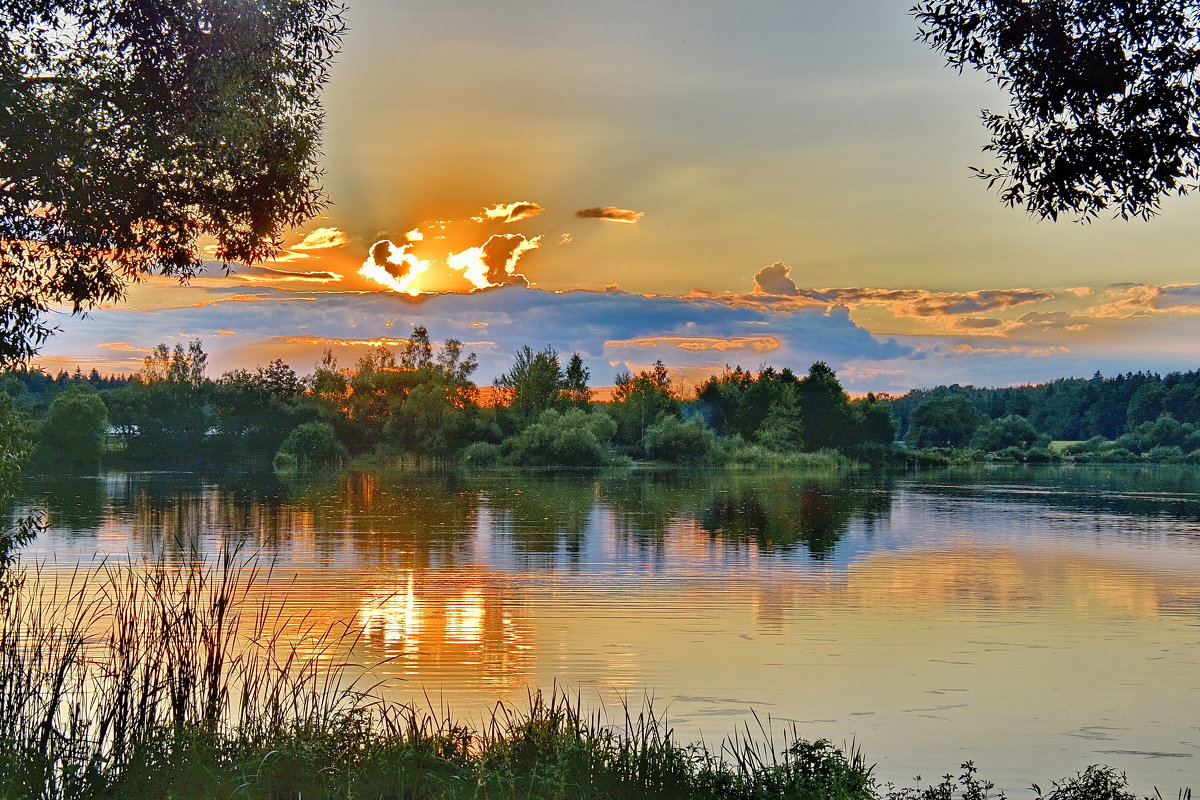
<point>1034,620</point>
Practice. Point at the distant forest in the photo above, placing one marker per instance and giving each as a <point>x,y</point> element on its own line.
<point>420,403</point>
<point>1077,408</point>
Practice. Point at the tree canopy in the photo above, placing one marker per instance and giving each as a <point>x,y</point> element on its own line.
<point>132,134</point>
<point>1105,108</point>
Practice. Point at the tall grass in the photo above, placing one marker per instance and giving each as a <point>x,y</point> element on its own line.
<point>165,681</point>
<point>162,680</point>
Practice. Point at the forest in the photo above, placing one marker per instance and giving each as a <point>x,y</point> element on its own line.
<point>419,404</point>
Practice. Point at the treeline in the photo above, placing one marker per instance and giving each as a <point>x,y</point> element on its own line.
<point>419,401</point>
<point>1074,409</point>
<point>1128,418</point>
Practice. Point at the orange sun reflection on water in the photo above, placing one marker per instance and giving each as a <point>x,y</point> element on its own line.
<point>431,628</point>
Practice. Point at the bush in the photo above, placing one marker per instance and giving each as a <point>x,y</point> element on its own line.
<point>736,453</point>
<point>1039,455</point>
<point>310,445</point>
<point>72,435</point>
<point>1094,783</point>
<point>1006,432</point>
<point>573,438</point>
<point>676,440</point>
<point>1166,454</point>
<point>1118,455</point>
<point>481,455</point>
<point>1092,445</point>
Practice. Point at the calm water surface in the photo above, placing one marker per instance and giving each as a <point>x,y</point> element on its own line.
<point>1035,621</point>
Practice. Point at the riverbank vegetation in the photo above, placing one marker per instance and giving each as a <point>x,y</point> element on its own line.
<point>418,403</point>
<point>161,682</point>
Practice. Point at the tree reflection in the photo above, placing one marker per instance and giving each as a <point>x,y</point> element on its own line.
<point>811,512</point>
<point>541,513</point>
<point>73,503</point>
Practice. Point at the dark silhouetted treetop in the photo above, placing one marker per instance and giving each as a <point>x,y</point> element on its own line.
<point>1105,108</point>
<point>133,133</point>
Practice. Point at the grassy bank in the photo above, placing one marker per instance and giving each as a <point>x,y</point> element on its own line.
<point>161,681</point>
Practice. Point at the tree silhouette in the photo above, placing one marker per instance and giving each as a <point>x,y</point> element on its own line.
<point>131,132</point>
<point>1105,108</point>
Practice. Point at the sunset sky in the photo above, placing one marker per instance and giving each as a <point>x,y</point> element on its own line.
<point>708,183</point>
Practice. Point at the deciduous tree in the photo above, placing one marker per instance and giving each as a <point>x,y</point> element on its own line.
<point>132,133</point>
<point>1104,110</point>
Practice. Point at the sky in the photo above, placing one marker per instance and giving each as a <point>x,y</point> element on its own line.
<point>706,183</point>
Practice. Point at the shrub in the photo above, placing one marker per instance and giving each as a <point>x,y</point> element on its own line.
<point>573,438</point>
<point>309,445</point>
<point>480,455</point>
<point>1166,454</point>
<point>673,439</point>
<point>72,435</point>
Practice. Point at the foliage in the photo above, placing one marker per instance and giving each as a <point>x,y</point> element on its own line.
<point>164,415</point>
<point>1103,106</point>
<point>825,408</point>
<point>15,447</point>
<point>943,421</point>
<point>573,438</point>
<point>1011,431</point>
<point>967,786</point>
<point>537,381</point>
<point>250,413</point>
<point>736,453</point>
<point>310,445</point>
<point>872,426</point>
<point>1094,783</point>
<point>176,365</point>
<point>1075,409</point>
<point>575,382</point>
<point>481,455</point>
<point>639,400</point>
<point>133,131</point>
<point>679,441</point>
<point>783,413</point>
<point>72,435</point>
<point>421,401</point>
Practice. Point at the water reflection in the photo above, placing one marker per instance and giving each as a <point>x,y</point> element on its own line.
<point>1046,600</point>
<point>430,629</point>
<point>812,512</point>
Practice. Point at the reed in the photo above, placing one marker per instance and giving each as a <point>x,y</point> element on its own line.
<point>164,680</point>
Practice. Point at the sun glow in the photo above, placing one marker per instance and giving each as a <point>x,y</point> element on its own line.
<point>394,267</point>
<point>491,264</point>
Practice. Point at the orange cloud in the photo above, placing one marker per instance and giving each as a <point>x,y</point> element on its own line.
<point>970,349</point>
<point>611,214</point>
<point>124,347</point>
<point>494,263</point>
<point>510,212</point>
<point>235,298</point>
<point>394,267</point>
<point>925,303</point>
<point>1137,300</point>
<point>261,274</point>
<point>758,301</point>
<point>322,238</point>
<point>696,344</point>
<point>775,279</point>
<point>382,341</point>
